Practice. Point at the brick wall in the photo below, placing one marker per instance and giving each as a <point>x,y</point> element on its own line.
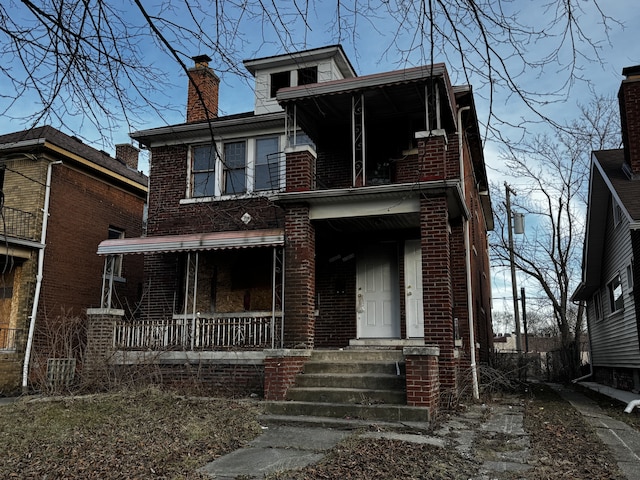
<point>280,370</point>
<point>422,378</point>
<point>437,283</point>
<point>629,100</point>
<point>10,373</point>
<point>300,171</point>
<point>82,208</point>
<point>300,268</point>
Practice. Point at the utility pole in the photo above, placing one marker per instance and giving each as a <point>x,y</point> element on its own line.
<point>514,287</point>
<point>524,320</point>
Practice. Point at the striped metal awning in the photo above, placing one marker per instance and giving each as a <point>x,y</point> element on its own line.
<point>193,242</point>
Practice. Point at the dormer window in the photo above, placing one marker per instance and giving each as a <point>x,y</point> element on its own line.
<point>279,80</point>
<point>307,75</point>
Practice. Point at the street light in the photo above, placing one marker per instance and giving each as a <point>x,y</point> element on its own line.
<point>519,221</point>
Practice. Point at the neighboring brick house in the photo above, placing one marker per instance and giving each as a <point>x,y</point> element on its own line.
<point>49,270</point>
<point>610,272</point>
<point>333,216</point>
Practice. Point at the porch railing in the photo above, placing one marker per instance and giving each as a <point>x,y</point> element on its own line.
<point>19,224</point>
<point>202,332</point>
<point>8,339</point>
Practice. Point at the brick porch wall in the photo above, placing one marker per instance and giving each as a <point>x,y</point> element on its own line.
<point>422,378</point>
<point>281,366</point>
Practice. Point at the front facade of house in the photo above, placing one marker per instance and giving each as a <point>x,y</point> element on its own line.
<point>344,212</point>
<point>609,270</point>
<point>60,199</point>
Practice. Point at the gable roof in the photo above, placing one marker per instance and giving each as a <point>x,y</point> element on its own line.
<point>607,178</point>
<point>48,136</point>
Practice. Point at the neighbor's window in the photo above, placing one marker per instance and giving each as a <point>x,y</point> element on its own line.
<point>630,276</point>
<point>617,212</point>
<point>235,167</point>
<point>597,306</point>
<point>279,80</point>
<point>203,170</point>
<point>616,300</point>
<point>267,166</point>
<point>116,265</point>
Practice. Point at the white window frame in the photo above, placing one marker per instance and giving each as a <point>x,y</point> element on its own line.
<point>616,303</point>
<point>597,306</point>
<point>250,166</point>
<point>617,212</point>
<point>629,270</point>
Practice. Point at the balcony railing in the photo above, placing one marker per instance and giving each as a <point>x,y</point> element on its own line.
<point>202,332</point>
<point>8,339</point>
<point>19,224</point>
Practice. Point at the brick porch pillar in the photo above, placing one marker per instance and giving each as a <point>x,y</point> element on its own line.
<point>281,366</point>
<point>100,326</point>
<point>422,377</point>
<point>437,285</point>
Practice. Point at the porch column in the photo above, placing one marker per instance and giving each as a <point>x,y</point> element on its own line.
<point>300,275</point>
<point>100,326</point>
<point>437,288</point>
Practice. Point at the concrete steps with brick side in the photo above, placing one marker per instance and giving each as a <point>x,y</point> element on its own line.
<point>364,384</point>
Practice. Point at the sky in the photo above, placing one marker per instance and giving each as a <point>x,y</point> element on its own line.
<point>379,43</point>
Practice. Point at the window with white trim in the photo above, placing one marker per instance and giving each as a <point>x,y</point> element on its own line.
<point>203,162</point>
<point>244,166</point>
<point>614,288</point>
<point>597,306</point>
<point>617,212</point>
<point>235,168</point>
<point>630,276</point>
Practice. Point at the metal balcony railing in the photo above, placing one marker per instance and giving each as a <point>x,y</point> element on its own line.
<point>18,223</point>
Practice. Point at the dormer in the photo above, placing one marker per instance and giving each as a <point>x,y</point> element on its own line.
<point>293,69</point>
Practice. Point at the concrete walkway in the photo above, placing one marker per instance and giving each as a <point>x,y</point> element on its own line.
<point>286,445</point>
<point>622,440</point>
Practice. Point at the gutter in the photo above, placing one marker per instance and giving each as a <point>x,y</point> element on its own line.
<point>36,296</point>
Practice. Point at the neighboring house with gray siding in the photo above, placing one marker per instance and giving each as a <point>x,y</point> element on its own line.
<point>612,241</point>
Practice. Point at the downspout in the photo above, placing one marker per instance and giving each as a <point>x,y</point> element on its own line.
<point>467,251</point>
<point>36,295</point>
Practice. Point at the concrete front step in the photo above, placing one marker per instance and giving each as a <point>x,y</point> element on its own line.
<point>388,413</point>
<point>357,355</point>
<point>346,395</point>
<point>379,381</point>
<point>361,367</point>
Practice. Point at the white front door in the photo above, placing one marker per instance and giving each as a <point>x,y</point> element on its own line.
<point>413,289</point>
<point>377,290</point>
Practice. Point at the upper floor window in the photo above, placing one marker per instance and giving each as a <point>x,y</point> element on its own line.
<point>244,166</point>
<point>617,212</point>
<point>307,75</point>
<point>235,167</point>
<point>279,80</point>
<point>203,170</point>
<point>616,300</point>
<point>597,306</point>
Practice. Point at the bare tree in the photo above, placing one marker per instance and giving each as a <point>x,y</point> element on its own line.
<point>108,64</point>
<point>552,175</point>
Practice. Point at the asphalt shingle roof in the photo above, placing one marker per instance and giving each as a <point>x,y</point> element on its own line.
<point>76,146</point>
<point>627,189</point>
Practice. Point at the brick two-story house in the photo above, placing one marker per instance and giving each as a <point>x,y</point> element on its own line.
<point>344,212</point>
<point>60,198</point>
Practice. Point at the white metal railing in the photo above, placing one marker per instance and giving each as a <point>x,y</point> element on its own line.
<point>8,339</point>
<point>202,332</point>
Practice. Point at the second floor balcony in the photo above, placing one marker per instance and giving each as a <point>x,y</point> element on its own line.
<point>20,224</point>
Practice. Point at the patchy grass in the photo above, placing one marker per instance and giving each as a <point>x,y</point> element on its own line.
<point>133,434</point>
<point>564,445</point>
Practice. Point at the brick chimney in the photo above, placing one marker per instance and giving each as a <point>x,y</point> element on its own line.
<point>128,154</point>
<point>202,95</point>
<point>629,98</point>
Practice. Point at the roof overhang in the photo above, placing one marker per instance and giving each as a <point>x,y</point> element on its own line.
<point>193,242</point>
<point>378,200</point>
<point>189,132</point>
